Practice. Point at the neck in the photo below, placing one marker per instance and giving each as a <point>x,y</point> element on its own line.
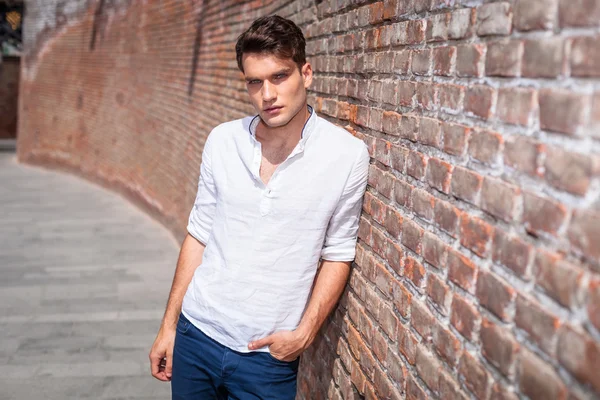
<point>286,134</point>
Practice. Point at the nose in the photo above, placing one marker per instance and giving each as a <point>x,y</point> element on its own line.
<point>268,92</point>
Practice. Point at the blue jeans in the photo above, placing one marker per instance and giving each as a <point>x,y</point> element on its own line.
<point>204,369</point>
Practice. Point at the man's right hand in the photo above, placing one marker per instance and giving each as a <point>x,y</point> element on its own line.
<point>161,354</point>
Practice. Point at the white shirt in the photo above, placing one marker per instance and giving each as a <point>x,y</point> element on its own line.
<point>263,243</point>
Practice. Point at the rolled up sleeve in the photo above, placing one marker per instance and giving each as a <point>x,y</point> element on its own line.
<point>201,217</point>
<point>342,231</point>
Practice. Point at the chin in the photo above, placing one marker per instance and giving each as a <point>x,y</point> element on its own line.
<point>275,121</point>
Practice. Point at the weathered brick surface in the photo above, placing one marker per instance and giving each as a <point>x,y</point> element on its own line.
<point>478,266</point>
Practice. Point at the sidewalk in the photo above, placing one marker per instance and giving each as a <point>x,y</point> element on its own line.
<point>84,281</point>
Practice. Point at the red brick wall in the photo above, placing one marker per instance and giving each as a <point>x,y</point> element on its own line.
<point>9,93</point>
<point>478,266</point>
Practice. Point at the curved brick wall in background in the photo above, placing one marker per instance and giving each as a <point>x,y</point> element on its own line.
<point>478,268</point>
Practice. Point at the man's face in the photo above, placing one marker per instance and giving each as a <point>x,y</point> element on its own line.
<point>276,86</point>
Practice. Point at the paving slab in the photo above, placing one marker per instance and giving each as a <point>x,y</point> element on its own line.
<point>85,278</point>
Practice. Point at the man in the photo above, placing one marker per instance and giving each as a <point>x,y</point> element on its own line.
<point>277,193</point>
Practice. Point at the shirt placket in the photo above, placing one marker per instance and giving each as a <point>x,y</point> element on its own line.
<point>268,190</point>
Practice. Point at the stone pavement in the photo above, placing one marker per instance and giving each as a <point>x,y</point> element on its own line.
<point>84,278</point>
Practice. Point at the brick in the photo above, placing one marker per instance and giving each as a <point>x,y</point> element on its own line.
<point>376,120</point>
<point>384,184</point>
<point>461,271</point>
<point>580,355</point>
<point>516,105</point>
<point>461,23</point>
<point>389,93</point>
<point>585,57</point>
<point>464,317</point>
<point>426,95</point>
<point>422,204</point>
<point>486,146</point>
<point>406,93</point>
<point>542,214</point>
<point>499,347</point>
<point>409,127</point>
<point>475,234</point>
<point>402,192</point>
<point>415,32</point>
<point>477,379</point>
<point>446,344</point>
<point>395,368</point>
<point>538,380</point>
<point>593,306</point>
<point>421,319</point>
<point>378,210</point>
<point>382,151</point>
<point>393,223</point>
<point>455,137</point>
<point>428,367</point>
<point>429,132</point>
<point>562,110</point>
<point>495,294</point>
<point>451,97</point>
<point>568,171</point>
<point>523,154</point>
<point>540,324</point>
<point>446,217</point>
<point>357,378</point>
<point>376,13</point>
<point>421,62</point>
<point>390,9</point>
<point>437,27</point>
<point>401,298</point>
<point>470,60</point>
<point>500,392</point>
<point>584,231</point>
<point>414,271</point>
<point>444,60</point>
<point>479,101</point>
<point>394,256</point>
<point>399,34</point>
<point>378,241</point>
<point>412,234</point>
<point>383,280</point>
<point>414,391</point>
<point>449,388</point>
<point>503,58</point>
<point>387,320</point>
<point>499,198</point>
<point>407,343</point>
<point>544,58</point>
<point>416,165</point>
<point>439,293</point>
<point>397,157</point>
<point>579,13</point>
<point>402,61</point>
<point>438,174</point>
<point>512,253</point>
<point>466,184</point>
<point>494,19</point>
<point>560,279</point>
<point>535,14</point>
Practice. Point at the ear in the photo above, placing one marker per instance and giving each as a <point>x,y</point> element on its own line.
<point>307,74</point>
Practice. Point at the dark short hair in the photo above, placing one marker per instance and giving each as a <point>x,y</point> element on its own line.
<point>272,35</point>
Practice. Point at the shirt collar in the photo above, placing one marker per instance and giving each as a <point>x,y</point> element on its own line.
<point>309,125</point>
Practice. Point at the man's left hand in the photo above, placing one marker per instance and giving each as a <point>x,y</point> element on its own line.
<point>284,345</point>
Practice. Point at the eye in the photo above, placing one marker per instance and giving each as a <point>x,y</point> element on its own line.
<point>253,82</point>
<point>280,76</point>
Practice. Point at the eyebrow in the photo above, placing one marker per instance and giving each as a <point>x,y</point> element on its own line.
<point>281,71</point>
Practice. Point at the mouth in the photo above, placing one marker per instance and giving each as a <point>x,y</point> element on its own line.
<point>273,110</point>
